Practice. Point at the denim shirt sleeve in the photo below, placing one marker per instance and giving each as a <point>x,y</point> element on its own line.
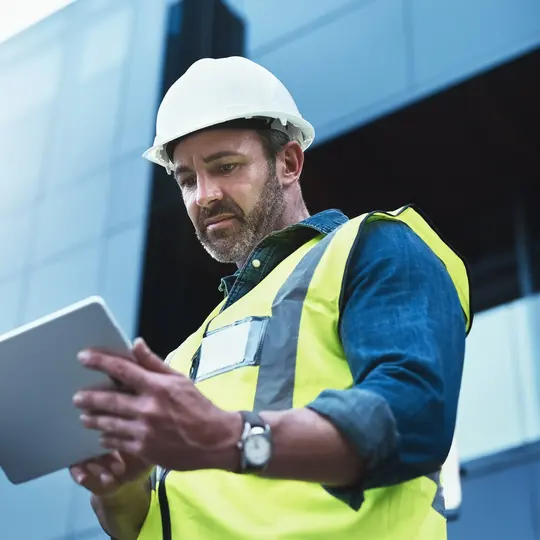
<point>403,333</point>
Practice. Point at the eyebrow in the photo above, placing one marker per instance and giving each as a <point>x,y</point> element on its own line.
<point>208,159</point>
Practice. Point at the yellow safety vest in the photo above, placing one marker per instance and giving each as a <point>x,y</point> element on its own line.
<point>292,353</point>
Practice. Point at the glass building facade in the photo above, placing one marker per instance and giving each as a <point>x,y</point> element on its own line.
<point>78,94</point>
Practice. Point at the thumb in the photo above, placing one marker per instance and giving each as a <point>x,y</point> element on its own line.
<point>147,359</point>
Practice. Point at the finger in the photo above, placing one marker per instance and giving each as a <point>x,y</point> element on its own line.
<point>105,386</point>
<point>112,462</point>
<point>129,446</point>
<point>110,425</point>
<point>115,464</point>
<point>78,474</point>
<point>113,403</point>
<point>93,478</point>
<point>100,474</point>
<point>123,370</point>
<point>149,360</point>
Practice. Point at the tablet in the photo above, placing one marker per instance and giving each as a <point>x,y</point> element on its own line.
<point>40,429</point>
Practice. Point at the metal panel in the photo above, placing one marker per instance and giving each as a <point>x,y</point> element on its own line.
<point>346,66</point>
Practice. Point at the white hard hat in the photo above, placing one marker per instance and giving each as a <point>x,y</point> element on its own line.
<point>214,91</point>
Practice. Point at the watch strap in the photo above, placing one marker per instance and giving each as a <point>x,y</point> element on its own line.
<point>250,420</point>
<point>253,419</point>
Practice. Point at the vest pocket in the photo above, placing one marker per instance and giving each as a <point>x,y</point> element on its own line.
<point>230,347</point>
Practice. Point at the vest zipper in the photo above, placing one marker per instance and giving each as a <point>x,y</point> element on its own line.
<point>164,507</point>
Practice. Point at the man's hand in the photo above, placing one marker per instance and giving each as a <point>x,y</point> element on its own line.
<point>164,420</point>
<point>105,475</point>
<point>120,487</point>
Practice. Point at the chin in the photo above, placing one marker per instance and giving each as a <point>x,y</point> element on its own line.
<point>220,253</point>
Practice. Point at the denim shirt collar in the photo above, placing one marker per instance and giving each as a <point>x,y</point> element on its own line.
<point>324,222</point>
<point>290,238</point>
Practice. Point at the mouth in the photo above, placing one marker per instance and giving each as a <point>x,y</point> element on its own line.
<point>219,221</point>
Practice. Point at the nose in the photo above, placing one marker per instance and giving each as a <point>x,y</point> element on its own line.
<point>208,190</point>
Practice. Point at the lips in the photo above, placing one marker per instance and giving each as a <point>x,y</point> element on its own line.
<point>217,219</point>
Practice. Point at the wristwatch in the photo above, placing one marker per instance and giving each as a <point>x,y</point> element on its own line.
<point>255,445</point>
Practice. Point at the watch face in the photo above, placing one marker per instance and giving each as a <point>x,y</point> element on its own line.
<point>257,450</point>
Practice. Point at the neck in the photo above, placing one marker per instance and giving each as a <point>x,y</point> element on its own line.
<point>289,217</point>
<point>292,216</point>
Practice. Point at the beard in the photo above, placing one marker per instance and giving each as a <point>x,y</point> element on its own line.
<point>235,243</point>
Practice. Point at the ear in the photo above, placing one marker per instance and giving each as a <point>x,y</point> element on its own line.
<point>289,163</point>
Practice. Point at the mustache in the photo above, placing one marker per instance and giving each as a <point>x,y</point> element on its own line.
<point>219,208</point>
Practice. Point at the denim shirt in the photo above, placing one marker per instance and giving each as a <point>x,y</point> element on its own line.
<point>403,332</point>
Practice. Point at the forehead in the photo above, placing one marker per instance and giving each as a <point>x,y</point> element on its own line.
<point>244,141</point>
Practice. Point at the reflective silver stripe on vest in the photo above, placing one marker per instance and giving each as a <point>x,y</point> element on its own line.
<point>438,503</point>
<point>275,383</point>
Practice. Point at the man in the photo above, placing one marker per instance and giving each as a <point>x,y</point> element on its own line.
<point>318,400</point>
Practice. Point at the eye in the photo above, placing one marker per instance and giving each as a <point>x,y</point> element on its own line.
<point>187,182</point>
<point>228,168</point>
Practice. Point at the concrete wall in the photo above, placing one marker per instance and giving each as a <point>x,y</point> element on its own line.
<point>501,497</point>
<point>78,94</point>
<point>350,61</point>
<point>500,399</point>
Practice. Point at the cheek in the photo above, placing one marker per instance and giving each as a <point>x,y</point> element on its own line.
<point>248,191</point>
<point>192,208</point>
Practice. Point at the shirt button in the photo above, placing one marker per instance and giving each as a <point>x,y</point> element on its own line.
<point>256,263</point>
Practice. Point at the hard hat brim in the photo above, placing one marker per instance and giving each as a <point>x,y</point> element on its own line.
<point>156,152</point>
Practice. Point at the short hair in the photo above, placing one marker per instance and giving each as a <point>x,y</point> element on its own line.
<point>273,141</point>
